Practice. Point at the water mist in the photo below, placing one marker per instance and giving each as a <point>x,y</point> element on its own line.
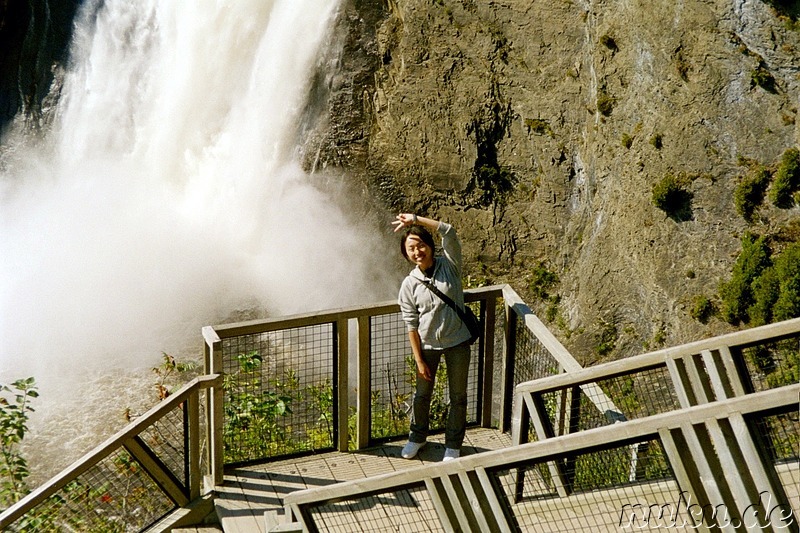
<point>165,197</point>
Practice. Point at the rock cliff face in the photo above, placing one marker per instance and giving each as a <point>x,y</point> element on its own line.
<point>33,44</point>
<point>540,129</point>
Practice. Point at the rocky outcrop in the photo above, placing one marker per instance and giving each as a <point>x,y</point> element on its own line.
<point>541,128</point>
<point>33,44</point>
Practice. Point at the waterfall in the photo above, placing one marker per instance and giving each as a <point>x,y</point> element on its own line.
<point>167,194</point>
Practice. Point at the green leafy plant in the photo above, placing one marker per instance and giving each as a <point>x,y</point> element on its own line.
<point>262,412</point>
<point>787,179</point>
<point>252,411</point>
<point>660,336</point>
<point>750,192</point>
<point>15,408</point>
<point>542,280</point>
<point>776,291</point>
<point>538,126</point>
<point>552,311</point>
<point>321,398</point>
<point>626,140</point>
<point>606,338</point>
<point>167,372</point>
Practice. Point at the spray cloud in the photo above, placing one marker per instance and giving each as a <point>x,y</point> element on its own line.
<point>166,194</point>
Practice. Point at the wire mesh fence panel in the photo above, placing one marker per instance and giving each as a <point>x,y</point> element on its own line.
<point>393,378</point>
<point>606,401</point>
<point>773,364</point>
<point>475,376</point>
<point>279,393</point>
<point>408,509</point>
<point>167,439</point>
<point>625,487</point>
<point>532,359</point>
<point>780,435</point>
<point>115,496</point>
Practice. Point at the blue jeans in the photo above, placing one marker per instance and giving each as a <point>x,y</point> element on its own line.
<point>457,360</point>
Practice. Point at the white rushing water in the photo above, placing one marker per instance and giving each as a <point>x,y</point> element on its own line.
<point>167,196</point>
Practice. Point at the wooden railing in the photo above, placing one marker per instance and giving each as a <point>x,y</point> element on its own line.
<point>720,452</point>
<point>476,492</point>
<point>361,349</point>
<point>167,465</point>
<point>149,469</point>
<point>712,369</point>
<point>258,391</point>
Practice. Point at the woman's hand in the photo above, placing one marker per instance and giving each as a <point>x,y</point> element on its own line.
<point>404,220</point>
<point>416,347</point>
<point>423,370</point>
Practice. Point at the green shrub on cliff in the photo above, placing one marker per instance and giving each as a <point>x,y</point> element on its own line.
<point>737,293</point>
<point>542,281</point>
<point>762,77</point>
<point>763,287</point>
<point>750,192</point>
<point>657,140</point>
<point>605,103</point>
<point>702,308</point>
<point>787,179</point>
<point>670,196</point>
<point>776,292</point>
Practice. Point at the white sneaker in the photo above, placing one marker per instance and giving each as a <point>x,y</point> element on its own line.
<point>410,449</point>
<point>450,454</point>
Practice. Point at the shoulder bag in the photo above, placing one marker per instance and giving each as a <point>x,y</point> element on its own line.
<point>467,317</point>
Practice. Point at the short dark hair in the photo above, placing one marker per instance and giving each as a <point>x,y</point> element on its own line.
<point>423,234</point>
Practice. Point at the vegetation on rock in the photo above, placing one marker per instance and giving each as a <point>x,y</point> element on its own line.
<point>702,309</point>
<point>750,192</point>
<point>787,179</point>
<point>671,196</point>
<point>764,287</point>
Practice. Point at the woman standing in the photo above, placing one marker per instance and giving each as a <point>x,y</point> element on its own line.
<point>434,328</point>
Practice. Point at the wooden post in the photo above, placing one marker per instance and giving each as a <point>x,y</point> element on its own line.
<point>363,406</point>
<point>193,441</point>
<point>214,399</point>
<point>509,353</point>
<point>544,430</point>
<point>342,353</point>
<point>488,307</point>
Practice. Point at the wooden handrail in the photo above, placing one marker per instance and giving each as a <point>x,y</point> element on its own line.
<point>659,358</point>
<point>545,336</point>
<point>605,436</point>
<point>330,315</point>
<point>105,449</point>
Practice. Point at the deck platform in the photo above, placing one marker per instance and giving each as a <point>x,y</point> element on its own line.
<point>250,492</point>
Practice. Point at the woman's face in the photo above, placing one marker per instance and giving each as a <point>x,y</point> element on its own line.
<point>418,252</point>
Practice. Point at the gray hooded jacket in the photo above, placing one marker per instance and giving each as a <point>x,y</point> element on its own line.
<point>438,324</point>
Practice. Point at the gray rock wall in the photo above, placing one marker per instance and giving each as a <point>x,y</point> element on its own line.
<point>540,129</point>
